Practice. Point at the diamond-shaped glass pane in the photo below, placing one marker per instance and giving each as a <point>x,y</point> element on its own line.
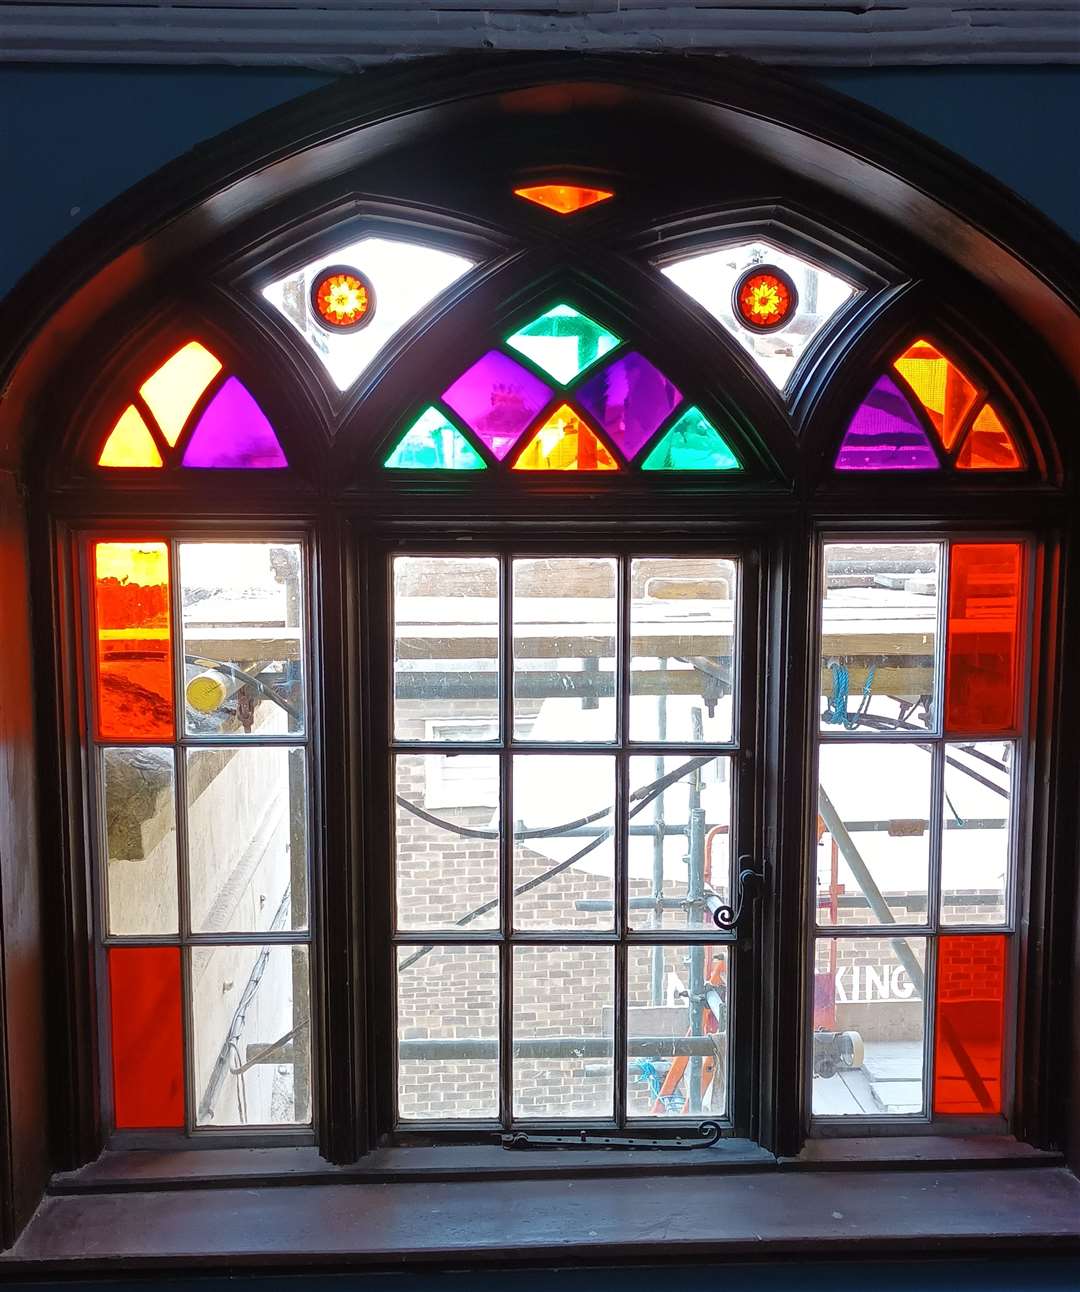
<point>629,399</point>
<point>710,280</point>
<point>405,277</point>
<point>563,342</point>
<point>497,398</point>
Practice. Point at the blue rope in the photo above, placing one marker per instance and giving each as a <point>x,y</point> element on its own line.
<point>836,711</point>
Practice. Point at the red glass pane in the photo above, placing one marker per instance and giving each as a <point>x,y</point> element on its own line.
<point>989,446</point>
<point>982,645</point>
<point>970,1024</point>
<point>563,199</point>
<point>147,1037</point>
<point>134,659</point>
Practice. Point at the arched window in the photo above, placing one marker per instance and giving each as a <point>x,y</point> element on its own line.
<point>560,608</point>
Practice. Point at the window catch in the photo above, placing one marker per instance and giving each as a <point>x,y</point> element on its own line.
<point>750,878</point>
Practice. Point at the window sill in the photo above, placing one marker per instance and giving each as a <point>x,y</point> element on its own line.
<point>359,1220</point>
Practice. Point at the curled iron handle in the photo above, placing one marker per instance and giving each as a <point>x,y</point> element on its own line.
<point>750,878</point>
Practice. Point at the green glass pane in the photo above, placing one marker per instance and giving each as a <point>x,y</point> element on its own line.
<point>692,444</point>
<point>563,342</point>
<point>434,443</point>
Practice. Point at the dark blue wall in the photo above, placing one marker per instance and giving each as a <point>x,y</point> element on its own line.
<point>72,138</point>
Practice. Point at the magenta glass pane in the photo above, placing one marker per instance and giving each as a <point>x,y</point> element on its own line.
<point>498,398</point>
<point>885,435</point>
<point>629,399</point>
<point>233,433</point>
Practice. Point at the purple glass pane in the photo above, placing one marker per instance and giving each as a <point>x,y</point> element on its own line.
<point>885,435</point>
<point>629,399</point>
<point>498,398</point>
<point>233,433</point>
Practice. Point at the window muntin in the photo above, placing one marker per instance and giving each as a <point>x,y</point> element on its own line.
<point>915,827</point>
<point>204,829</point>
<point>613,987</point>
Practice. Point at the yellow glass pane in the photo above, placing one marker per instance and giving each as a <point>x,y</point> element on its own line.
<point>941,387</point>
<point>174,389</point>
<point>989,446</point>
<point>563,199</point>
<point>565,443</point>
<point>130,443</point>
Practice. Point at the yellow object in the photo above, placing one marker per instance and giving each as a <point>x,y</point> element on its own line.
<point>565,443</point>
<point>209,691</point>
<point>130,443</point>
<point>173,391</point>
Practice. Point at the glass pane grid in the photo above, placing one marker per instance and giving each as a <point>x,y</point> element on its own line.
<point>205,845</point>
<point>915,841</point>
<point>564,870</point>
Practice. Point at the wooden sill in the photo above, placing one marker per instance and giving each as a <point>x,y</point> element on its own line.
<point>603,1220</point>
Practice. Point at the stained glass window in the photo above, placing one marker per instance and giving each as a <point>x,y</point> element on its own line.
<point>404,278</point>
<point>926,413</point>
<point>194,415</point>
<point>564,199</point>
<point>565,443</point>
<point>711,279</point>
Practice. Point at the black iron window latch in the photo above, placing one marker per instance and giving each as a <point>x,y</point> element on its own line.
<point>749,885</point>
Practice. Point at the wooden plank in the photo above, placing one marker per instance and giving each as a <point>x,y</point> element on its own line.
<point>268,34</point>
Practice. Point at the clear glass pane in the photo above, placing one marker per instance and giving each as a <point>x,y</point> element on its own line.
<point>251,1039</point>
<point>446,840</point>
<point>710,280</point>
<point>564,648</point>
<point>404,276</point>
<point>976,857</point>
<point>448,1033</point>
<point>140,840</point>
<point>680,841</point>
<point>247,839</point>
<point>564,854</point>
<point>879,622</point>
<point>446,648</point>
<point>869,1027</point>
<point>873,850</point>
<point>564,1001</point>
<point>243,609</point>
<point>677,1031</point>
<point>682,659</point>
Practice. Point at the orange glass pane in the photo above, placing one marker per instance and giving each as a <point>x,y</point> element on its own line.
<point>130,443</point>
<point>147,1037</point>
<point>565,443</point>
<point>989,446</point>
<point>982,644</point>
<point>970,1024</point>
<point>173,391</point>
<point>134,684</point>
<point>564,199</point>
<point>941,387</point>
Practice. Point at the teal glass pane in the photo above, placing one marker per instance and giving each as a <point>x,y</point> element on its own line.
<point>691,444</point>
<point>434,443</point>
<point>563,342</point>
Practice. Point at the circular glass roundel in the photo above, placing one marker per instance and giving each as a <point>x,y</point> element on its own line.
<point>342,299</point>
<point>765,298</point>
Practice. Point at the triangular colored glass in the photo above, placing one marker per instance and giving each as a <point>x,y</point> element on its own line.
<point>130,443</point>
<point>563,342</point>
<point>433,443</point>
<point>563,199</point>
<point>989,446</point>
<point>885,434</point>
<point>234,434</point>
<point>173,391</point>
<point>940,387</point>
<point>691,444</point>
<point>565,443</point>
